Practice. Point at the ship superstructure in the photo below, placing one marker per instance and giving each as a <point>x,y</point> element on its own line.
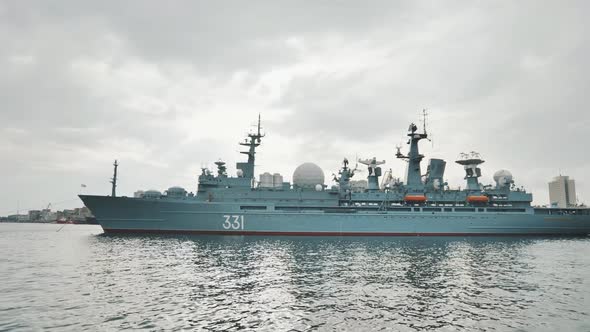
<point>423,204</point>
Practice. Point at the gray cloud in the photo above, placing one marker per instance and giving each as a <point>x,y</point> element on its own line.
<point>170,87</point>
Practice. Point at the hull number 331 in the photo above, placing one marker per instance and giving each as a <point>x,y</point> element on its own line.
<point>233,221</point>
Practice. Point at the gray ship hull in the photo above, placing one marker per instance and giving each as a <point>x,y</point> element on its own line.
<point>133,215</point>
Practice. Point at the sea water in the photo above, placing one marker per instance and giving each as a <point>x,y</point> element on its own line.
<point>73,277</point>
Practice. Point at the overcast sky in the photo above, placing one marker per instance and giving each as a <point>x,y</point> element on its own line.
<point>168,87</point>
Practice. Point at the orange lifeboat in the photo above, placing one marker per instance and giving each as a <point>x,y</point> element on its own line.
<point>414,199</point>
<point>477,199</point>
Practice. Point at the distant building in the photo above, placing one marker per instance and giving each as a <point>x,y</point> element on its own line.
<point>82,215</point>
<point>48,216</point>
<point>83,212</point>
<point>18,218</point>
<point>68,213</point>
<point>562,192</point>
<point>34,215</point>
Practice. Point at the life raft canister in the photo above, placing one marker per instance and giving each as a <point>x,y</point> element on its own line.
<point>415,198</point>
<point>477,199</point>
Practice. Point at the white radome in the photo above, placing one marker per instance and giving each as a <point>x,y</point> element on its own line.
<point>502,177</point>
<point>308,175</point>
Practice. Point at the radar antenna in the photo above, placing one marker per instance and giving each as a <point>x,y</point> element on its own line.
<point>374,172</point>
<point>424,115</point>
<point>424,121</point>
<point>221,168</point>
<point>371,164</point>
<point>259,125</point>
<point>399,153</point>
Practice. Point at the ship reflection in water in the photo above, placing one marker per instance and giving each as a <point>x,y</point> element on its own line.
<point>79,279</point>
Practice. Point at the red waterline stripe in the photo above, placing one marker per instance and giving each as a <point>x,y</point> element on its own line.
<point>166,231</point>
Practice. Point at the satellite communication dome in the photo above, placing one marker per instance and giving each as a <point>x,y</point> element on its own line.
<point>307,176</point>
<point>176,192</point>
<point>502,177</point>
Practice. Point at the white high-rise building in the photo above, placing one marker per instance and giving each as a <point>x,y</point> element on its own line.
<point>562,192</point>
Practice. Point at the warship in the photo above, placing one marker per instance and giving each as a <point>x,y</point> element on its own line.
<point>421,205</point>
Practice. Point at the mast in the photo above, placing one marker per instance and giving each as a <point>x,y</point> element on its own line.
<point>114,179</point>
<point>424,115</point>
<point>252,142</point>
<point>345,174</point>
<point>414,173</point>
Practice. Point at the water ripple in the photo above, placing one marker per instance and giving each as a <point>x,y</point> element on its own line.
<point>78,279</point>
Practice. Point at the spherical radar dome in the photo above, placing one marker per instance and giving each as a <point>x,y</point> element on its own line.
<point>502,177</point>
<point>308,175</point>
